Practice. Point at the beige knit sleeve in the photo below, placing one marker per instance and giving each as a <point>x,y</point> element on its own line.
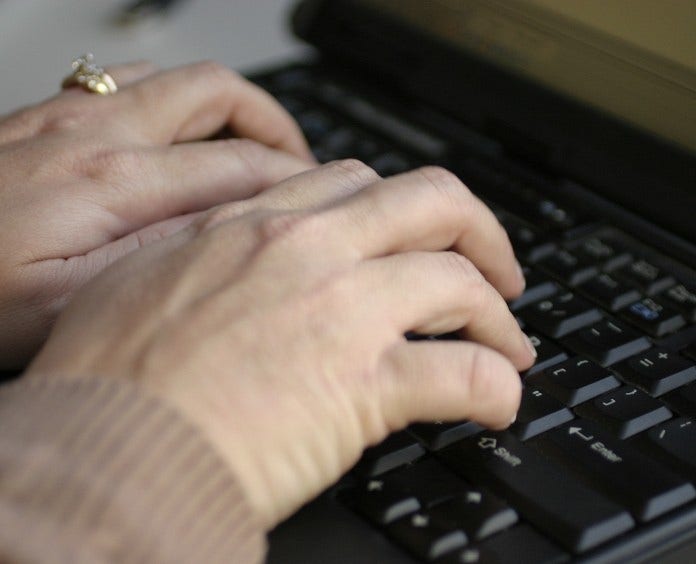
<point>96,471</point>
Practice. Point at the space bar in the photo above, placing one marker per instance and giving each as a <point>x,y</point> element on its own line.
<point>577,517</point>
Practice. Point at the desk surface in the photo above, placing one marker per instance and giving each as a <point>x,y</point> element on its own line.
<point>39,39</point>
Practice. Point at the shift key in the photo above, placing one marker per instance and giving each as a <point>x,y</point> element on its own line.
<point>576,516</point>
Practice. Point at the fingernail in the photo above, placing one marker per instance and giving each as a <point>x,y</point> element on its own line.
<point>514,418</point>
<point>530,346</point>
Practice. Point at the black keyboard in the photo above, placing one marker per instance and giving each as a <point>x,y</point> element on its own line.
<point>602,456</point>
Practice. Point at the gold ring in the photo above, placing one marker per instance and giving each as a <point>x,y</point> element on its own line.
<point>90,76</point>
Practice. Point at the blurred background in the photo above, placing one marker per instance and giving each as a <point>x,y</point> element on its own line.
<point>39,38</point>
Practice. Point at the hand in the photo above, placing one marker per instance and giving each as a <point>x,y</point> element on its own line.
<point>86,179</point>
<point>277,324</point>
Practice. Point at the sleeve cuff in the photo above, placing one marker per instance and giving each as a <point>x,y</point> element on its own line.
<point>95,470</point>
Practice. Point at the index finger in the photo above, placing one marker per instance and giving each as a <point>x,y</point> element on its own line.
<point>195,101</point>
<point>429,209</point>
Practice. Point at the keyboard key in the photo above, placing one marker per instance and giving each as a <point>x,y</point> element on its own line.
<point>559,315</point>
<point>625,411</point>
<point>518,544</point>
<point>609,292</point>
<point>529,243</point>
<point>653,317</point>
<point>548,353</point>
<point>441,434</point>
<point>380,502</point>
<point>478,512</point>
<point>607,342</point>
<point>396,450</point>
<point>682,299</point>
<point>683,400</point>
<point>429,481</point>
<point>657,371</point>
<point>575,381</point>
<point>425,536</point>
<point>568,268</point>
<point>543,493</point>
<point>390,163</point>
<point>538,287</point>
<point>646,488</point>
<point>315,124</point>
<point>646,276</point>
<point>538,413</point>
<point>690,351</point>
<point>606,253</point>
<point>677,439</point>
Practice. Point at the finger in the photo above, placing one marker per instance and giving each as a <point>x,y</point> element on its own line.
<point>434,293</point>
<point>146,186</point>
<point>429,209</point>
<point>195,101</point>
<point>305,190</point>
<point>129,73</point>
<point>447,380</point>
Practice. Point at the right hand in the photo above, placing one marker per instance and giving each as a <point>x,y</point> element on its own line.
<point>276,324</point>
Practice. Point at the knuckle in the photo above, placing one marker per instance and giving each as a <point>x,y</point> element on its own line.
<point>351,173</point>
<point>215,71</point>
<point>447,186</point>
<point>284,226</point>
<point>459,265</point>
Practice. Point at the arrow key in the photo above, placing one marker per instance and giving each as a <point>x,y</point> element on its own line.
<point>478,512</point>
<point>427,536</point>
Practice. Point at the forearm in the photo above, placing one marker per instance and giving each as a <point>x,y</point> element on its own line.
<point>95,471</point>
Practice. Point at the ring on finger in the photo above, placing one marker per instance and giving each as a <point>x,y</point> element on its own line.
<point>91,77</point>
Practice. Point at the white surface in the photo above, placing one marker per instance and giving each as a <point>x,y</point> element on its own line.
<point>39,39</point>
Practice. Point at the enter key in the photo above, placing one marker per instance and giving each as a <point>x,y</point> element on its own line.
<point>624,474</point>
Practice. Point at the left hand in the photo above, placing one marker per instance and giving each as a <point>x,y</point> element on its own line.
<point>86,179</point>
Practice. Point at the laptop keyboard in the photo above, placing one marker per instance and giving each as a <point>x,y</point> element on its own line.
<point>603,451</point>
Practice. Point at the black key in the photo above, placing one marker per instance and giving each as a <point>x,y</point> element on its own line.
<point>605,252</point>
<point>425,536</point>
<point>690,351</point>
<point>390,163</point>
<point>646,488</point>
<point>538,287</point>
<point>292,104</point>
<point>559,315</point>
<point>653,317</point>
<point>396,450</point>
<point>439,435</point>
<point>429,481</point>
<point>379,501</point>
<point>677,439</point>
<point>575,381</point>
<point>657,371</point>
<point>478,512</point>
<point>529,243</point>
<point>315,124</point>
<point>548,353</point>
<point>647,277</point>
<point>625,411</point>
<point>683,400</point>
<point>544,494</point>
<point>568,268</point>
<point>607,342</point>
<point>538,413</point>
<point>518,544</point>
<point>682,299</point>
<point>609,292</point>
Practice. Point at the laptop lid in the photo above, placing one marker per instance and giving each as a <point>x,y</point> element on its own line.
<point>603,93</point>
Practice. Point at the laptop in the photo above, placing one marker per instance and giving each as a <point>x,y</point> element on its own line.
<point>576,123</point>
